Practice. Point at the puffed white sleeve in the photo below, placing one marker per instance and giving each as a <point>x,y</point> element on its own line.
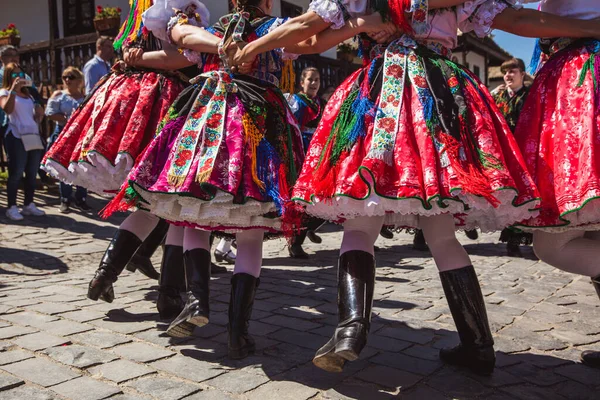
<point>478,15</point>
<point>158,17</point>
<point>336,12</point>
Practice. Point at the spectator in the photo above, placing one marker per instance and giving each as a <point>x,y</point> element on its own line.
<point>99,65</point>
<point>22,140</point>
<point>9,54</point>
<point>60,107</point>
<point>327,94</point>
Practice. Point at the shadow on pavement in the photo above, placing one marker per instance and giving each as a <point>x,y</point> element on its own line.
<point>30,259</point>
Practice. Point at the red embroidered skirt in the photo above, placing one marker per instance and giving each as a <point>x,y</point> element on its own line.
<point>101,140</point>
<point>560,140</point>
<point>449,150</point>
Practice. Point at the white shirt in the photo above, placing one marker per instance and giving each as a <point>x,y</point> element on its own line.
<point>21,120</point>
<point>580,9</point>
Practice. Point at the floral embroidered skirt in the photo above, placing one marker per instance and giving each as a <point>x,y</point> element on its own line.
<point>559,135</point>
<point>98,146</point>
<point>225,160</point>
<point>412,135</point>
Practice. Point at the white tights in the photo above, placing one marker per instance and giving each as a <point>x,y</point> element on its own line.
<point>195,239</point>
<point>249,252</point>
<point>360,234</point>
<point>140,223</point>
<point>175,236</point>
<point>445,248</point>
<point>224,246</point>
<point>577,252</point>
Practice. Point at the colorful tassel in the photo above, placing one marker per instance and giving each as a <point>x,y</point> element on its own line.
<point>132,30</point>
<point>253,137</point>
<point>288,77</point>
<point>536,57</point>
<point>123,201</point>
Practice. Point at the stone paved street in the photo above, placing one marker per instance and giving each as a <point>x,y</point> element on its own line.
<point>57,344</point>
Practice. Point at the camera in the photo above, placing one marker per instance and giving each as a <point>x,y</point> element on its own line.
<point>27,82</point>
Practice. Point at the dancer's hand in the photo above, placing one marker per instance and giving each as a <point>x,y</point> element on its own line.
<point>382,37</point>
<point>132,55</point>
<point>236,55</point>
<point>243,68</point>
<point>373,24</point>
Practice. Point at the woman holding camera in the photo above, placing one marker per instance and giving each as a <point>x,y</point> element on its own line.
<point>22,140</point>
<point>59,108</point>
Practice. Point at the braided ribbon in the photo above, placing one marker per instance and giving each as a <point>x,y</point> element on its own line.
<point>238,22</point>
<point>392,93</point>
<point>398,64</point>
<point>203,129</point>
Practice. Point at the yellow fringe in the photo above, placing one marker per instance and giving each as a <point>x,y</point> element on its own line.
<point>141,7</point>
<point>253,137</point>
<point>288,77</point>
<point>175,181</point>
<point>203,176</point>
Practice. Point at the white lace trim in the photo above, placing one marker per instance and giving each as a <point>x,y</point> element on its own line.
<point>98,176</point>
<point>406,212</point>
<point>478,15</point>
<point>585,219</point>
<point>218,212</point>
<point>329,11</point>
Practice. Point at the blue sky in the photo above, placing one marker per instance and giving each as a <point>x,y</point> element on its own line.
<point>517,46</point>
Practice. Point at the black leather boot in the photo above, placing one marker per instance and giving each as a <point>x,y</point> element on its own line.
<point>241,301</point>
<point>141,260</point>
<point>588,357</point>
<point>356,284</point>
<point>120,250</point>
<point>419,242</point>
<point>476,348</point>
<point>295,248</point>
<point>386,233</point>
<point>171,283</point>
<point>196,309</point>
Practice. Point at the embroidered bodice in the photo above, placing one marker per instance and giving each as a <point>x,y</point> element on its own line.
<point>430,26</point>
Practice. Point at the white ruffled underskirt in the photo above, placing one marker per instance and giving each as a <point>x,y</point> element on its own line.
<point>585,219</point>
<point>97,175</point>
<point>407,212</point>
<point>220,212</point>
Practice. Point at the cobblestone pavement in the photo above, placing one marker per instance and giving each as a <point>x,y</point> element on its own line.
<point>57,344</point>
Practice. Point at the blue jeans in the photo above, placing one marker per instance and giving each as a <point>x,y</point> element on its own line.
<point>20,161</point>
<point>66,190</point>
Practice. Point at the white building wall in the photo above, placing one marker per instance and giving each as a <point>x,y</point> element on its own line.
<point>472,59</point>
<point>30,16</point>
<point>34,26</point>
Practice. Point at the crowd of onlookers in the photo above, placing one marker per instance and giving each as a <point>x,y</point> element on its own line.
<point>22,110</point>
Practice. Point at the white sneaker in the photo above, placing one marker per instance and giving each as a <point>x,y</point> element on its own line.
<point>14,214</point>
<point>31,209</point>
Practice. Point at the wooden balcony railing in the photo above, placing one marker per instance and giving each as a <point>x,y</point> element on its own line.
<point>45,61</point>
<point>333,72</point>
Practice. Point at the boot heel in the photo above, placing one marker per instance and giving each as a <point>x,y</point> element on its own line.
<point>238,354</point>
<point>330,362</point>
<point>349,349</point>
<point>181,330</point>
<point>198,320</point>
<point>131,267</point>
<point>94,294</point>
